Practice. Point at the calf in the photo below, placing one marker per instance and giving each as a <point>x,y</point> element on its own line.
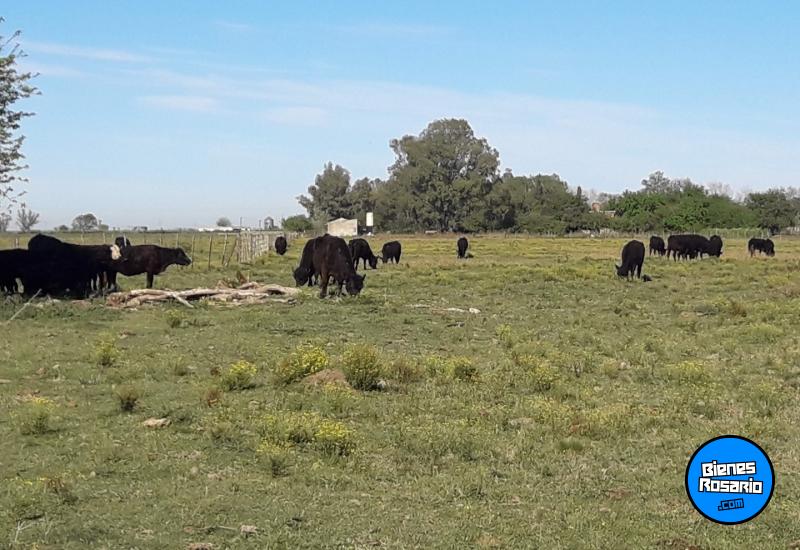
<point>147,258</point>
<point>715,246</point>
<point>332,259</point>
<point>391,251</point>
<point>657,245</point>
<point>11,264</point>
<point>632,260</point>
<point>461,247</point>
<point>280,245</point>
<point>360,250</point>
<point>305,272</point>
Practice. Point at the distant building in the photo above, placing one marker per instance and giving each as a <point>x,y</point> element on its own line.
<point>597,207</point>
<point>343,228</point>
<point>269,223</point>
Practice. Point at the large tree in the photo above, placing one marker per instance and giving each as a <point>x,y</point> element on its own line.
<point>772,209</point>
<point>329,195</point>
<point>14,86</point>
<point>5,220</point>
<point>443,175</point>
<point>26,218</point>
<point>85,222</point>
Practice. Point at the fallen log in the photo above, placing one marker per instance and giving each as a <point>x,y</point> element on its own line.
<point>248,293</point>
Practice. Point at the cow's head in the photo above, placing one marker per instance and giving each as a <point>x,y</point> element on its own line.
<point>354,284</point>
<point>122,242</point>
<point>620,273</point>
<point>115,252</point>
<point>301,275</point>
<point>181,258</point>
<point>373,262</point>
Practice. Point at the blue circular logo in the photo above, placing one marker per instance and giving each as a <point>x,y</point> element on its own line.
<point>730,479</point>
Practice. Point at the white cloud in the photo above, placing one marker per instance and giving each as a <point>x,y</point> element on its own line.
<point>96,54</point>
<point>182,102</point>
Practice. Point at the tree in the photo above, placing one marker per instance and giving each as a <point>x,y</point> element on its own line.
<point>772,209</point>
<point>5,220</point>
<point>26,219</point>
<point>62,228</point>
<point>444,175</point>
<point>85,222</point>
<point>329,195</point>
<point>298,223</point>
<point>223,222</point>
<point>361,197</point>
<point>14,86</point>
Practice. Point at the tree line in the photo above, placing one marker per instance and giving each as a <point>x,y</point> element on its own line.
<point>447,179</point>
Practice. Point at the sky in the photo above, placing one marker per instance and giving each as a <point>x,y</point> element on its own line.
<point>172,114</point>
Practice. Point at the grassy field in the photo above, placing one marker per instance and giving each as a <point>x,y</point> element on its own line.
<point>561,415</point>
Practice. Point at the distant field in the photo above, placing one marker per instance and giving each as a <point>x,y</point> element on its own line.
<point>562,415</point>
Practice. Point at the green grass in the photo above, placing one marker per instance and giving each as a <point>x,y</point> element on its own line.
<point>560,416</point>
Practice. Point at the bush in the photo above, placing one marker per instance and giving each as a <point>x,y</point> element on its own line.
<point>334,438</point>
<point>539,372</point>
<point>304,360</point>
<point>212,397</point>
<point>128,397</point>
<point>239,376</point>
<point>361,366</point>
<point>175,319</point>
<point>405,371</point>
<point>276,456</point>
<point>462,368</point>
<point>287,429</point>
<point>34,416</point>
<point>106,353</point>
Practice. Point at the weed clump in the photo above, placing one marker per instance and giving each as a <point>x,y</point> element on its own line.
<point>462,368</point>
<point>34,416</point>
<point>307,429</point>
<point>405,371</point>
<point>276,455</point>
<point>106,353</point>
<point>212,397</point>
<point>541,374</point>
<point>304,360</point>
<point>362,367</point>
<point>175,319</point>
<point>239,376</point>
<point>128,397</point>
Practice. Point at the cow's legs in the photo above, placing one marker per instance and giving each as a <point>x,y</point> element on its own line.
<point>323,283</point>
<point>149,280</point>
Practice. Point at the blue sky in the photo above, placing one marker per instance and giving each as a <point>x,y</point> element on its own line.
<point>175,113</point>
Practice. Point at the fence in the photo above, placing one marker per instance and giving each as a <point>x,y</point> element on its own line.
<point>207,249</point>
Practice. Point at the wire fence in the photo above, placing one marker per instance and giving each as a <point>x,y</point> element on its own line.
<point>208,250</point>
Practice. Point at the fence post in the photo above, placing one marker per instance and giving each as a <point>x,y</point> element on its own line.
<point>224,249</point>
<point>191,254</point>
<point>210,242</point>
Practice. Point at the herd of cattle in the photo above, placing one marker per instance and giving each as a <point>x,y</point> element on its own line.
<point>683,247</point>
<point>52,267</point>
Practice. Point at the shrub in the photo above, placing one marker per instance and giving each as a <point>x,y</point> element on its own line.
<point>34,416</point>
<point>61,488</point>
<point>506,335</point>
<point>106,353</point>
<point>304,360</point>
<point>462,368</point>
<point>276,455</point>
<point>212,397</point>
<point>239,376</point>
<point>128,396</point>
<point>334,438</point>
<point>405,371</point>
<point>540,373</point>
<point>175,319</point>
<point>361,366</point>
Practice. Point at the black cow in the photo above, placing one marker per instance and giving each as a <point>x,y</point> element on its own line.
<point>391,251</point>
<point>11,265</point>
<point>56,267</point>
<point>461,247</point>
<point>761,245</point>
<point>715,246</point>
<point>360,250</point>
<point>687,246</point>
<point>280,245</point>
<point>122,242</point>
<point>657,245</point>
<point>632,260</point>
<point>332,259</point>
<point>305,272</point>
<point>146,258</point>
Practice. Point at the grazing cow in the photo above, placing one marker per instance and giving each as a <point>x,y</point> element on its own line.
<point>632,260</point>
<point>11,265</point>
<point>687,246</point>
<point>761,245</point>
<point>657,245</point>
<point>391,251</point>
<point>147,258</point>
<point>305,272</point>
<point>280,245</point>
<point>461,247</point>
<point>715,246</point>
<point>360,250</point>
<point>332,259</point>
<point>57,267</point>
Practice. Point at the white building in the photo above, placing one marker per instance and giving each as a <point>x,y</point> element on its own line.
<point>343,228</point>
